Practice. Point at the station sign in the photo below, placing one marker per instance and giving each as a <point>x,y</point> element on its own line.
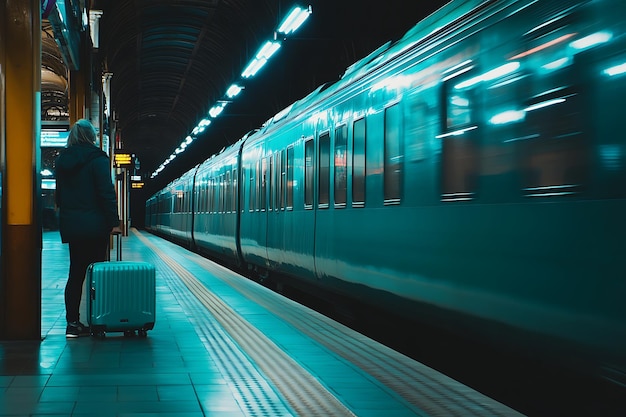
<point>136,185</point>
<point>54,138</point>
<point>124,159</point>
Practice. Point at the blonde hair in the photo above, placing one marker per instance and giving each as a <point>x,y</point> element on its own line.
<point>82,132</point>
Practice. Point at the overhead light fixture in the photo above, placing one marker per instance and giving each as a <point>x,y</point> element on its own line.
<point>289,25</point>
<point>267,50</point>
<point>294,20</point>
<point>254,67</point>
<point>233,91</point>
<point>217,109</point>
<point>264,53</point>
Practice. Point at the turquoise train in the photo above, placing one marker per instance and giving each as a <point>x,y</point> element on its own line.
<point>471,173</point>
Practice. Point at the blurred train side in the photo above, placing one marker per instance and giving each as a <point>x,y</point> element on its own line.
<point>473,172</point>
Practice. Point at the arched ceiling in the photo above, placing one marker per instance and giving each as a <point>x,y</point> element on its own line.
<point>171,60</point>
<point>54,78</point>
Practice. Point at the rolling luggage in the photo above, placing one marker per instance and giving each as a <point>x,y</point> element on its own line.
<point>122,296</point>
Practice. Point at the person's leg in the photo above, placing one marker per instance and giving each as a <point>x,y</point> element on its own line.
<point>82,253</point>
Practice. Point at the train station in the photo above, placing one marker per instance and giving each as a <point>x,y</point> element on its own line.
<point>287,208</point>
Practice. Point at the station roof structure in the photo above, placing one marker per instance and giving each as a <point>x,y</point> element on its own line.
<point>172,60</point>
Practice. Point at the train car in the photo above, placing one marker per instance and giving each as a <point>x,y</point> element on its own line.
<point>471,173</point>
<point>216,208</point>
<point>151,221</point>
<point>169,211</point>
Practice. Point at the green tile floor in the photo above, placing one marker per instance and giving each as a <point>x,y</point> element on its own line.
<point>168,373</point>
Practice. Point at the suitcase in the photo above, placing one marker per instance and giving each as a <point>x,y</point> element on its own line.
<point>122,296</point>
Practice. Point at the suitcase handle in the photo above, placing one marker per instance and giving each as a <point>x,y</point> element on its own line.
<point>118,248</point>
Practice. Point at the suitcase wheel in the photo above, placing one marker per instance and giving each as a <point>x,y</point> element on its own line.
<point>129,333</point>
<point>142,332</point>
<point>99,334</point>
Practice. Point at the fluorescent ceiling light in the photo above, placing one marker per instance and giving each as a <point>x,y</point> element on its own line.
<point>294,20</point>
<point>267,50</point>
<point>233,91</point>
<point>253,67</point>
<point>216,110</point>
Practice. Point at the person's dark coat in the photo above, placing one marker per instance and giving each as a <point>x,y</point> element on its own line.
<point>85,194</point>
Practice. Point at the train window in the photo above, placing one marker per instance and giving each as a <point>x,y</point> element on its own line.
<point>283,174</point>
<point>209,194</point>
<point>554,150</point>
<point>201,201</point>
<point>276,179</point>
<point>309,160</point>
<point>340,160</point>
<point>290,178</point>
<point>358,163</point>
<point>199,198</point>
<point>393,155</point>
<point>263,184</point>
<point>214,195</point>
<point>221,192</point>
<point>233,191</point>
<point>257,186</point>
<point>210,198</point>
<point>252,188</point>
<point>272,183</point>
<point>324,170</point>
<point>459,147</point>
<point>227,192</point>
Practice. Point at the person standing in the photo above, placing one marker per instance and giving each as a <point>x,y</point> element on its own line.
<point>88,212</point>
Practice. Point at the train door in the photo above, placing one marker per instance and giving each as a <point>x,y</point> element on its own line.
<point>253,219</point>
<point>306,218</point>
<point>277,240</point>
<point>324,233</point>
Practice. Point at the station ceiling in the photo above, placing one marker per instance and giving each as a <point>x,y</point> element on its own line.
<point>171,61</point>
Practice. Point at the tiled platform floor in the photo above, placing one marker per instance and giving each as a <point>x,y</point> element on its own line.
<point>169,373</point>
<point>222,346</point>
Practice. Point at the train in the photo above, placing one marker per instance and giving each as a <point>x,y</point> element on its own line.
<point>471,174</point>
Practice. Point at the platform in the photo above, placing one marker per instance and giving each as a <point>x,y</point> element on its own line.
<point>222,346</point>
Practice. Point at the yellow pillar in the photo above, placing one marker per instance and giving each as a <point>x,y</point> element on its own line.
<point>20,104</point>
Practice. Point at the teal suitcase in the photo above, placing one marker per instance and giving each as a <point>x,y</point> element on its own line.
<point>122,296</point>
